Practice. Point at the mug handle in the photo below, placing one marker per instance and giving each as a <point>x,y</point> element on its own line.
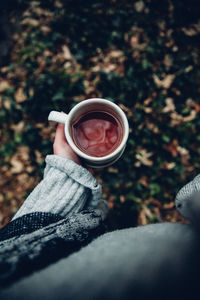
<point>57,116</point>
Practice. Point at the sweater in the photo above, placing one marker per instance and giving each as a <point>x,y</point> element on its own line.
<point>158,261</point>
<point>66,188</point>
<point>64,212</point>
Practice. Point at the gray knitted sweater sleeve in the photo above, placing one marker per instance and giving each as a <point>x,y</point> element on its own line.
<point>66,188</point>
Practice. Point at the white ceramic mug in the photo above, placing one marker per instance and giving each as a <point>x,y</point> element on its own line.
<point>89,105</point>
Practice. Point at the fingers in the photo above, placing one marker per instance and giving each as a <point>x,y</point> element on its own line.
<point>60,134</point>
<point>62,148</point>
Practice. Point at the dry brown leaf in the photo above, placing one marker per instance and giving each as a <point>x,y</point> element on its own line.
<point>20,96</point>
<point>126,109</point>
<point>151,126</point>
<point>66,53</point>
<point>96,68</point>
<point>185,159</point>
<point>4,84</point>
<point>115,53</point>
<point>22,178</point>
<point>164,83</point>
<point>30,21</point>
<point>58,4</point>
<point>122,198</point>
<point>169,105</point>
<point>176,119</point>
<point>30,169</point>
<point>197,107</point>
<point>168,165</point>
<point>169,205</point>
<point>19,127</point>
<point>188,69</point>
<point>148,101</point>
<point>191,116</point>
<point>17,166</point>
<point>47,53</point>
<point>112,170</point>
<point>168,61</point>
<point>139,6</point>
<point>67,65</point>
<point>148,110</point>
<point>39,157</point>
<point>4,69</point>
<point>156,211</point>
<point>144,181</point>
<point>153,201</point>
<point>135,43</point>
<point>45,29</point>
<point>172,148</point>
<point>192,30</point>
<point>7,103</point>
<point>143,158</point>
<point>144,214</point>
<point>109,67</point>
<point>24,153</point>
<point>142,219</point>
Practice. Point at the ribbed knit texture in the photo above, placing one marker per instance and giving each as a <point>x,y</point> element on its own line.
<point>188,201</point>
<point>188,190</point>
<point>27,224</point>
<point>66,188</point>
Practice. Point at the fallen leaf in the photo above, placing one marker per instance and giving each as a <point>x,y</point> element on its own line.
<point>126,109</point>
<point>176,119</point>
<point>45,29</point>
<point>7,103</point>
<point>188,69</point>
<point>151,126</point>
<point>139,6</point>
<point>109,67</point>
<point>144,214</point>
<point>164,83</point>
<point>39,158</point>
<point>168,165</point>
<point>30,21</point>
<point>172,148</point>
<point>115,53</point>
<point>144,181</point>
<point>17,166</point>
<point>193,30</point>
<point>66,52</point>
<point>143,158</point>
<point>20,96</point>
<point>4,84</point>
<point>169,105</point>
<point>185,159</point>
<point>148,101</point>
<point>148,110</point>
<point>122,198</point>
<point>191,116</point>
<point>19,127</point>
<point>169,205</point>
<point>112,170</point>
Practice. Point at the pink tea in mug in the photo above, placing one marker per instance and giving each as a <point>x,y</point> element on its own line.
<point>97,133</point>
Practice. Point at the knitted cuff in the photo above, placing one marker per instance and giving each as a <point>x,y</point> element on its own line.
<point>27,224</point>
<point>66,188</point>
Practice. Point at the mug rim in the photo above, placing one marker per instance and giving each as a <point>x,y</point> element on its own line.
<point>116,151</point>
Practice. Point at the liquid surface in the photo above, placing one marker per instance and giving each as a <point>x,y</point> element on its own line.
<point>97,133</point>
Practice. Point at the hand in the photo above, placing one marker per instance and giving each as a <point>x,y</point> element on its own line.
<point>61,146</point>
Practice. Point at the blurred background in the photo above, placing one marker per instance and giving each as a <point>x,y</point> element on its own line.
<point>142,55</point>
